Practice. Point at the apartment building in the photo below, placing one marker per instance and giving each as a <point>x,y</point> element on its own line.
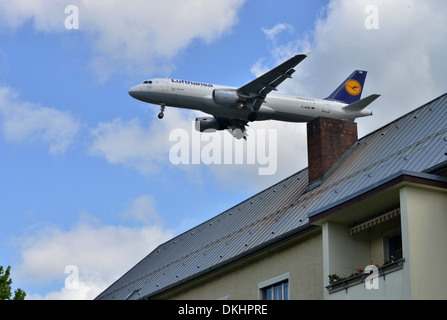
<point>365,220</point>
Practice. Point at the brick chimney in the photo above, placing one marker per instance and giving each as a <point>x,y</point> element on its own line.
<point>327,140</point>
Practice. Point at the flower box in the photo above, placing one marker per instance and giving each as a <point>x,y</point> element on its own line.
<point>338,283</point>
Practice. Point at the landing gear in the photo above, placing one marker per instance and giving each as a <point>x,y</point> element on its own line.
<point>162,110</point>
<point>252,116</point>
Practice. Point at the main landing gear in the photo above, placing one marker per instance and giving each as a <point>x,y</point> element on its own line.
<point>162,110</point>
<point>252,116</point>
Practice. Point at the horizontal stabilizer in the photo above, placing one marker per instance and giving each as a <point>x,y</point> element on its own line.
<point>361,104</point>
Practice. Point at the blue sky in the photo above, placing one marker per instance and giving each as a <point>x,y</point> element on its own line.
<point>85,173</point>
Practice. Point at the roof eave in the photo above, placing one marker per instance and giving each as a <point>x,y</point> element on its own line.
<point>403,176</point>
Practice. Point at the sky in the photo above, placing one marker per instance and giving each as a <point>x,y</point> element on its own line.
<point>87,183</point>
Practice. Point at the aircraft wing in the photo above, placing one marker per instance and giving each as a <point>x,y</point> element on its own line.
<point>257,90</point>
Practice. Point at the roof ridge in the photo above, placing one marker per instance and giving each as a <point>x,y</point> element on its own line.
<point>361,141</point>
<point>404,116</point>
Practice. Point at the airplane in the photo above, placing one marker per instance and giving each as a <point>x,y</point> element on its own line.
<point>234,108</point>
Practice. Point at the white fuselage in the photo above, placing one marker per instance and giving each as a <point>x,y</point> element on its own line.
<point>199,96</point>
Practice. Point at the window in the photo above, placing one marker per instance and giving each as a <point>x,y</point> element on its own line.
<point>275,289</point>
<point>147,82</point>
<point>394,247</point>
<point>278,291</point>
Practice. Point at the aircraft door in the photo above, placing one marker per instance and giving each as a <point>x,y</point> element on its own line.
<point>326,108</point>
<point>165,84</point>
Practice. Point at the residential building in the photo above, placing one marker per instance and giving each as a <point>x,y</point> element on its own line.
<point>380,200</point>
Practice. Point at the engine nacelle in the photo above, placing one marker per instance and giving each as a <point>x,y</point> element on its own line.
<point>226,97</point>
<point>207,124</point>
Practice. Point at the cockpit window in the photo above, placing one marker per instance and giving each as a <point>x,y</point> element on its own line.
<point>147,82</point>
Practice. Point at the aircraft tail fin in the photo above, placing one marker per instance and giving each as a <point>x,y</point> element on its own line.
<point>351,89</point>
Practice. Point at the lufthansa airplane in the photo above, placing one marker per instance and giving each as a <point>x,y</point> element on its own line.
<point>233,108</point>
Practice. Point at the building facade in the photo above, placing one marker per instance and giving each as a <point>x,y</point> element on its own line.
<point>365,220</point>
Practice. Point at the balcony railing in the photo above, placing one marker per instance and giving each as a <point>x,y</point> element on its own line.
<point>358,279</point>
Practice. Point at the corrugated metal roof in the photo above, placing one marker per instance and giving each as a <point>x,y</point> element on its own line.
<point>414,142</point>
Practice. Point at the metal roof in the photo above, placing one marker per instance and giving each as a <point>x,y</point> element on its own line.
<point>415,142</point>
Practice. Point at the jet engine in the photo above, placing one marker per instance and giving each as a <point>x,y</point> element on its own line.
<point>226,97</point>
<point>208,124</point>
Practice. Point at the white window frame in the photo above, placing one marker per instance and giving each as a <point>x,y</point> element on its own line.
<point>270,282</point>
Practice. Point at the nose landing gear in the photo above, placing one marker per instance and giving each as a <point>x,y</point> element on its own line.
<point>162,110</point>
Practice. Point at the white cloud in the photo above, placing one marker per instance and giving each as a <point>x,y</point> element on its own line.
<point>403,65</point>
<point>135,35</point>
<point>45,15</point>
<point>272,33</point>
<point>129,143</point>
<point>147,150</point>
<point>271,153</point>
<point>404,57</point>
<point>99,253</point>
<point>143,209</point>
<point>25,121</point>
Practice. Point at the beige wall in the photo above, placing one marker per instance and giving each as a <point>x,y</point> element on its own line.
<point>424,215</point>
<point>424,236</point>
<point>343,253</point>
<point>423,224</point>
<point>301,258</point>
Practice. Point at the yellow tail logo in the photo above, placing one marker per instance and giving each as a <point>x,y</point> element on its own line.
<point>353,87</point>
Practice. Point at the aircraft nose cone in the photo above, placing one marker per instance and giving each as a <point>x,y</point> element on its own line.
<point>133,92</point>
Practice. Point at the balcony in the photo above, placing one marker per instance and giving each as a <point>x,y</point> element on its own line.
<point>388,284</point>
